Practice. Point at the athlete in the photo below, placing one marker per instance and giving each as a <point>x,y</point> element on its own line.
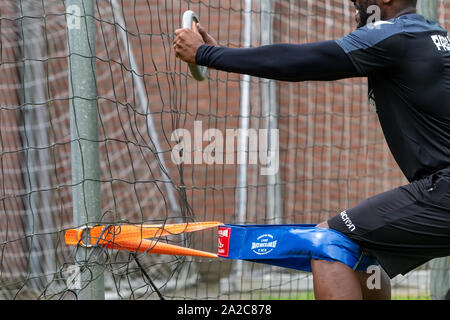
<point>406,59</point>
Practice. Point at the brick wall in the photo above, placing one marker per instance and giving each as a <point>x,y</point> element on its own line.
<point>332,151</point>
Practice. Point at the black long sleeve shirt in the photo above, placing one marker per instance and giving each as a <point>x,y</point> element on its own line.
<point>407,62</point>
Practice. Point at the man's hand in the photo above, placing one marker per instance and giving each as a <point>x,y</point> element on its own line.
<point>210,41</point>
<point>188,41</point>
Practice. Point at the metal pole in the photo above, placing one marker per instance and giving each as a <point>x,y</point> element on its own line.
<point>440,267</point>
<point>244,125</point>
<point>242,155</point>
<point>428,8</point>
<point>39,218</point>
<point>270,114</point>
<point>84,139</point>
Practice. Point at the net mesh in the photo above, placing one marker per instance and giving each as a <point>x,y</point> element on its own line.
<point>332,151</point>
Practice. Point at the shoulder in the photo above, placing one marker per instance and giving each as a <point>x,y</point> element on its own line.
<point>374,33</point>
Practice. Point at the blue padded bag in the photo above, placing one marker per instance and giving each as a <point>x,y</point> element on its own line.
<point>289,246</point>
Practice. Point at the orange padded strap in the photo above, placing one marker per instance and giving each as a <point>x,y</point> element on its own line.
<point>133,238</point>
<point>152,246</point>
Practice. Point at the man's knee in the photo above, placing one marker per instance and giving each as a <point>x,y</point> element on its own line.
<point>323,225</point>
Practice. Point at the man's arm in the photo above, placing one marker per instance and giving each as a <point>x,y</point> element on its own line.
<point>324,60</point>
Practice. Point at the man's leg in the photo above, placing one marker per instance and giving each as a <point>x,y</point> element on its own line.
<point>334,280</point>
<point>383,292</point>
<point>404,227</point>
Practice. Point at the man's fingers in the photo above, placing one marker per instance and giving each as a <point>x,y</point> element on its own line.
<point>179,39</point>
<point>177,50</point>
<point>195,27</point>
<point>205,35</point>
<point>186,42</point>
<point>201,30</point>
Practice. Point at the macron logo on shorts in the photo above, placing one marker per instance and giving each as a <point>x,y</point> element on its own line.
<point>347,221</point>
